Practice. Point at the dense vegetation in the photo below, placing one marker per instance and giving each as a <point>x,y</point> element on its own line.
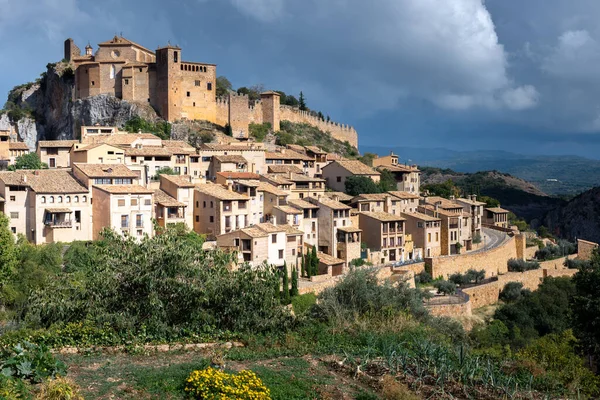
<point>163,289</point>
<point>355,185</point>
<point>161,128</point>
<point>28,161</point>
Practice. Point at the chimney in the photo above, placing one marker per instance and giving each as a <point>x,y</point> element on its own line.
<point>282,151</point>
<point>452,197</point>
<point>24,178</point>
<point>230,186</point>
<point>474,197</point>
<point>336,197</point>
<point>36,172</point>
<point>273,220</point>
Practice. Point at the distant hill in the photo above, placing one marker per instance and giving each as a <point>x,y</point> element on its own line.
<point>554,175</point>
<point>577,219</point>
<point>515,194</point>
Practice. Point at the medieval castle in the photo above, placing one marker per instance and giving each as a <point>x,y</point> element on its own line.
<point>178,89</point>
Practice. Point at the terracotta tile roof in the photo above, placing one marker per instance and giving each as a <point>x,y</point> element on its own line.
<point>230,147</point>
<point>290,230</point>
<point>302,204</point>
<point>149,151</point>
<point>370,197</point>
<point>349,229</point>
<point>254,183</point>
<point>58,210</point>
<point>105,170</point>
<point>236,158</point>
<point>124,189</point>
<point>302,178</point>
<point>17,146</point>
<point>268,227</point>
<point>254,232</point>
<point>178,143</point>
<point>382,216</point>
<point>315,150</point>
<point>287,155</point>
<point>44,181</point>
<point>276,178</point>
<point>497,210</point>
<point>284,169</point>
<point>334,157</point>
<point>220,192</point>
<point>404,195</point>
<point>239,175</point>
<point>470,202</point>
<point>184,181</point>
<point>57,143</point>
<point>86,147</point>
<point>328,260</point>
<point>341,195</point>
<point>355,167</point>
<point>443,203</point>
<point>122,139</point>
<point>334,205</point>
<point>165,200</point>
<point>296,147</point>
<point>267,187</point>
<point>399,168</point>
<point>288,210</point>
<point>420,216</point>
<point>440,210</point>
<point>120,40</point>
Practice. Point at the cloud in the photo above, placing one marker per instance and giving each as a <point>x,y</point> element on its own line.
<point>521,98</point>
<point>446,52</point>
<point>575,56</point>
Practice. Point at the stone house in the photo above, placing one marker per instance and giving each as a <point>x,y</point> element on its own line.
<point>126,209</point>
<point>253,153</point>
<point>290,157</point>
<point>407,176</point>
<point>219,210</point>
<point>56,153</point>
<point>99,153</point>
<point>456,226</point>
<point>475,209</point>
<point>385,236</point>
<point>425,231</point>
<point>16,149</point>
<point>179,188</point>
<point>101,174</point>
<point>496,216</point>
<point>336,173</point>
<point>309,223</point>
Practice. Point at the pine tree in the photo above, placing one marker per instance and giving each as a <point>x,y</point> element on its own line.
<point>286,285</point>
<point>302,267</point>
<point>302,102</point>
<point>294,291</point>
<point>308,265</point>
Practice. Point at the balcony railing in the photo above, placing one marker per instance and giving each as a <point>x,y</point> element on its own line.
<point>59,224</point>
<point>178,215</point>
<point>453,226</point>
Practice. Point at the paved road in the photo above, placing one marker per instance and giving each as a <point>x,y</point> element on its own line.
<point>492,238</point>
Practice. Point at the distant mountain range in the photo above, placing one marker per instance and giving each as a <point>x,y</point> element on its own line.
<point>554,175</point>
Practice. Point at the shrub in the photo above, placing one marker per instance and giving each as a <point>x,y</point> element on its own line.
<point>445,287</point>
<point>423,278</point>
<point>259,131</point>
<point>211,383</point>
<point>59,389</point>
<point>511,292</point>
<point>30,362</point>
<point>359,262</point>
<point>457,279</point>
<point>576,264</point>
<point>477,238</point>
<point>391,389</point>
<point>552,252</point>
<point>518,265</point>
<point>13,389</point>
<point>475,276</point>
<point>301,304</point>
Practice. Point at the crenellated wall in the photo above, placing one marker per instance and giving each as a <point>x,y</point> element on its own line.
<point>339,131</point>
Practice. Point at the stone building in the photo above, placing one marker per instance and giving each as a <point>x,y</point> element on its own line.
<point>425,231</point>
<point>336,173</point>
<point>55,153</point>
<point>385,235</point>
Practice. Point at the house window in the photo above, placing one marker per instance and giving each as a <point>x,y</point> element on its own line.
<point>13,229</point>
<point>148,202</point>
<point>429,237</point>
<point>273,238</point>
<point>211,204</point>
<point>13,198</point>
<point>209,86</point>
<point>188,94</point>
<point>419,224</point>
<point>93,83</point>
<point>52,162</point>
<point>50,200</point>
<point>175,56</point>
<point>14,215</point>
<point>76,199</point>
<point>197,83</point>
<point>121,202</point>
<point>339,179</point>
<point>139,222</point>
<point>77,216</point>
<point>134,202</point>
<point>211,219</point>
<point>112,72</point>
<point>197,218</point>
<point>124,221</point>
<point>60,199</point>
<point>280,254</point>
<point>43,199</point>
<point>68,199</point>
<point>127,81</point>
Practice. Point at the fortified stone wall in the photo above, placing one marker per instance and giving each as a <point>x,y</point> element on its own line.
<point>483,295</point>
<point>530,252</point>
<point>339,131</point>
<point>559,263</point>
<point>494,261</point>
<point>451,310</point>
<point>585,249</point>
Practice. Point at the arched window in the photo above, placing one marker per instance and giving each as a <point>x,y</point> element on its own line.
<point>60,199</point>
<point>68,199</point>
<point>51,199</point>
<point>43,199</point>
<point>112,71</point>
<point>76,199</point>
<point>84,199</point>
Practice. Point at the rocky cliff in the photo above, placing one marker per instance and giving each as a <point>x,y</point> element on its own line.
<point>44,110</point>
<point>579,218</point>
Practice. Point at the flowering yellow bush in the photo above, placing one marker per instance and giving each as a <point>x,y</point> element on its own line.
<point>213,384</point>
<point>59,389</point>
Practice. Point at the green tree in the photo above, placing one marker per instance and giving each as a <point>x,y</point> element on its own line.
<point>387,181</point>
<point>357,184</point>
<point>302,102</point>
<point>8,250</point>
<point>162,129</point>
<point>445,287</point>
<point>284,138</point>
<point>586,304</point>
<point>223,86</point>
<point>294,291</point>
<point>367,158</point>
<point>166,171</point>
<point>511,292</point>
<point>302,267</point>
<point>28,161</point>
<point>314,261</point>
<point>286,285</point>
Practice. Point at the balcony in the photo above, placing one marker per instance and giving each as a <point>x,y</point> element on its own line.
<point>453,226</point>
<point>59,224</point>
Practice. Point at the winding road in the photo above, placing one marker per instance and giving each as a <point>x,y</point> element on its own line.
<point>492,238</point>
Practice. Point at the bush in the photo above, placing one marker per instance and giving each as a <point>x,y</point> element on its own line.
<point>457,279</point>
<point>576,264</point>
<point>445,287</point>
<point>259,131</point>
<point>391,389</point>
<point>30,362</point>
<point>59,389</point>
<point>552,252</point>
<point>162,129</point>
<point>477,238</point>
<point>423,278</point>
<point>301,304</point>
<point>211,383</point>
<point>518,265</point>
<point>511,292</point>
<point>14,389</point>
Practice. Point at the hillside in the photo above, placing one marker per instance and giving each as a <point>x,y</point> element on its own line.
<point>555,175</point>
<point>577,219</point>
<point>515,194</point>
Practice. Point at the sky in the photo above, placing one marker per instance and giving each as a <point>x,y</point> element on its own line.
<point>513,75</point>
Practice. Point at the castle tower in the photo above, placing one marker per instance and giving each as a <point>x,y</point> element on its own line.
<point>168,100</point>
<point>71,50</point>
<point>270,107</point>
<point>88,50</point>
